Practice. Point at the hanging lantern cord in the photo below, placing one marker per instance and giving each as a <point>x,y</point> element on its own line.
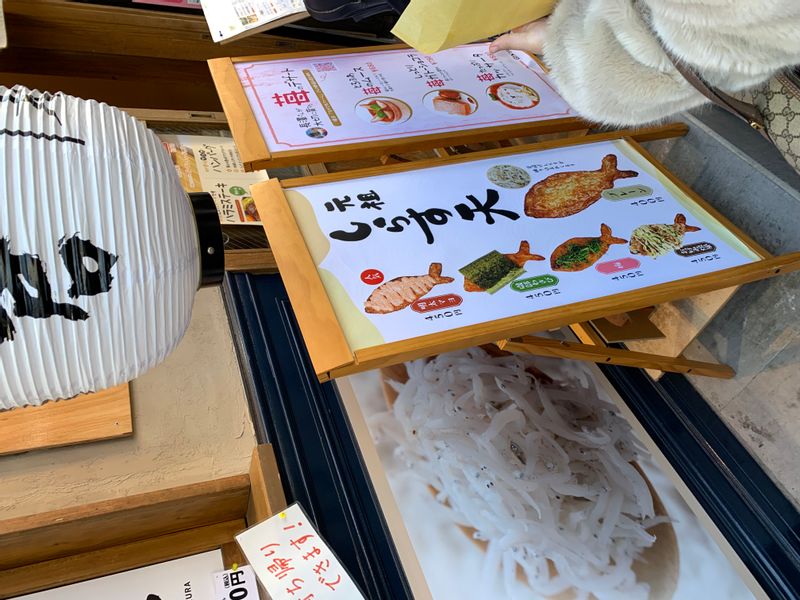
<point>209,232</point>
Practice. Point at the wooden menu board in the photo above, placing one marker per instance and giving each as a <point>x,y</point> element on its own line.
<point>290,109</point>
<point>406,261</point>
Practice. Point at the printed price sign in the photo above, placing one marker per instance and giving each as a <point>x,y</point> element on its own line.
<point>293,562</point>
<point>236,584</point>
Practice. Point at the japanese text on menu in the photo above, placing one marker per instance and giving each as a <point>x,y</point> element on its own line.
<point>462,244</point>
<point>330,99</point>
<point>293,562</point>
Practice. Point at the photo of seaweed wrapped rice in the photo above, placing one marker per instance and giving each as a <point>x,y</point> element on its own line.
<point>493,271</point>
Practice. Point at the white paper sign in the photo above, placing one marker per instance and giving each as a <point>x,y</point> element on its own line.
<point>500,237</point>
<point>212,164</point>
<point>346,98</point>
<point>236,584</point>
<point>293,562</point>
<point>182,579</point>
<point>230,18</point>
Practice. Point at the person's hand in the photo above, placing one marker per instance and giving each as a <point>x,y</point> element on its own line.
<point>529,38</point>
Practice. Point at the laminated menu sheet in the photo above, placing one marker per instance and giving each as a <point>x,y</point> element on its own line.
<point>462,251</point>
<point>362,100</point>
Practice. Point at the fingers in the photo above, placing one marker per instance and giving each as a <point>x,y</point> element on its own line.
<point>511,41</point>
<point>528,37</point>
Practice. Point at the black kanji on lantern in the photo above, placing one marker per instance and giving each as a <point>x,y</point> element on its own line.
<point>86,281</point>
<point>24,277</point>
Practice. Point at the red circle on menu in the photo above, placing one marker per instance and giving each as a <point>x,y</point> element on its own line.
<point>372,276</point>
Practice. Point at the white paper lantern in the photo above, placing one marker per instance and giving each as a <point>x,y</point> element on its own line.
<point>99,248</point>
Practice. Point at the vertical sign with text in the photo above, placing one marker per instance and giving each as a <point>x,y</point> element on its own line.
<point>293,562</point>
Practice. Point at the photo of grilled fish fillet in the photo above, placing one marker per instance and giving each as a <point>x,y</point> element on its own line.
<point>660,239</point>
<point>400,292</point>
<point>568,193</point>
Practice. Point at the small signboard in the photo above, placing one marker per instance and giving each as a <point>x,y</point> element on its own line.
<point>294,108</point>
<point>238,583</point>
<point>212,164</point>
<point>404,262</point>
<point>293,562</point>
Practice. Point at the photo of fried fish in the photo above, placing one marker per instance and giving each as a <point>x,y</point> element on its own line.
<point>400,292</point>
<point>568,193</point>
<point>494,270</point>
<point>577,254</point>
<point>658,240</point>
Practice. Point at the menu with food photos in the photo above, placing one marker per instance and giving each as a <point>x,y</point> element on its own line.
<point>212,164</point>
<point>230,20</point>
<point>430,250</point>
<point>326,100</point>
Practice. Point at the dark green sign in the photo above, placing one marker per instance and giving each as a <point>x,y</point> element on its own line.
<point>534,283</point>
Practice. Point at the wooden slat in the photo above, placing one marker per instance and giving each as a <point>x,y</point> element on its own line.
<point>231,553</point>
<point>315,53</point>
<point>317,168</point>
<point>86,418</point>
<point>266,490</point>
<point>195,92</point>
<point>77,26</point>
<point>242,120</point>
<point>328,347</point>
<point>473,136</point>
<point>650,133</point>
<point>614,356</point>
<point>681,323</point>
<point>88,528</point>
<point>183,117</point>
<point>253,260</point>
<point>587,334</point>
<point>114,559</point>
<point>401,145</point>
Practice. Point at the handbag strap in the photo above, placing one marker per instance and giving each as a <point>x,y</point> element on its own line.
<point>746,112</point>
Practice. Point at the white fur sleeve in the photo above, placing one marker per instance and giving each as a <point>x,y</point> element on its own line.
<point>608,66</point>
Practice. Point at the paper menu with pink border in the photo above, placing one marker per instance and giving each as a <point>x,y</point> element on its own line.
<point>329,100</point>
